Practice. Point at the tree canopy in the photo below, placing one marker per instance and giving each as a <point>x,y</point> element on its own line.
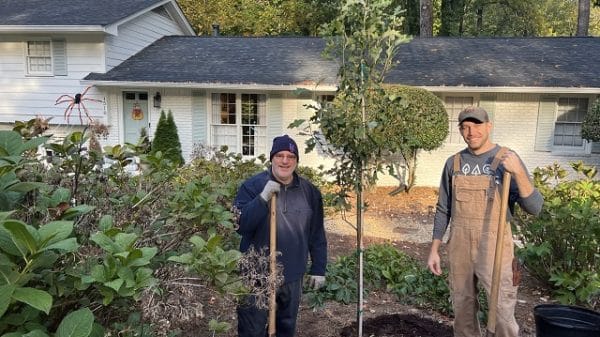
<point>450,17</point>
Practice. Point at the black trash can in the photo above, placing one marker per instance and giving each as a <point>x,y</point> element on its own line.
<point>555,320</point>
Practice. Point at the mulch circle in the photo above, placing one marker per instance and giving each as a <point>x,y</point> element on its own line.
<point>400,325</point>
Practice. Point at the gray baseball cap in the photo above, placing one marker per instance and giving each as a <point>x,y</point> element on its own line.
<point>475,113</point>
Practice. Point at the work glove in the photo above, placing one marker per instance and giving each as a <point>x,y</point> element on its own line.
<point>316,282</point>
<point>270,188</point>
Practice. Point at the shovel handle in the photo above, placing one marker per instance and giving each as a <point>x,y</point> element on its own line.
<point>273,263</point>
<point>497,270</point>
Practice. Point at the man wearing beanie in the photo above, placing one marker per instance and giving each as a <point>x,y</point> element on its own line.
<point>300,232</point>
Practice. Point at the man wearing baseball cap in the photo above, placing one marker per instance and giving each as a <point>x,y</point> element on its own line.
<point>300,232</point>
<point>469,202</point>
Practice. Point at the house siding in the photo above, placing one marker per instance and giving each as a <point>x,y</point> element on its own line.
<point>137,34</point>
<point>515,124</point>
<point>25,96</point>
<point>199,117</point>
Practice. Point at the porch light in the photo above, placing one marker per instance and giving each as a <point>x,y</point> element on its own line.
<point>156,100</point>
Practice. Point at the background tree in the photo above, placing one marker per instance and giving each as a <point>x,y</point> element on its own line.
<point>426,21</point>
<point>166,138</point>
<point>259,18</point>
<point>513,18</point>
<point>452,17</point>
<point>583,17</point>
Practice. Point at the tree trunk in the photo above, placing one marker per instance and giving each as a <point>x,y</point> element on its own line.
<point>360,245</point>
<point>426,21</point>
<point>479,26</point>
<point>411,163</point>
<point>583,18</point>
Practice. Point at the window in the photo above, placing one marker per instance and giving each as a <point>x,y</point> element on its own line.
<point>569,117</point>
<point>239,122</point>
<point>39,57</point>
<point>454,105</point>
<point>326,101</point>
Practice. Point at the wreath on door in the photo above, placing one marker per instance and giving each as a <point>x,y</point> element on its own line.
<point>137,113</point>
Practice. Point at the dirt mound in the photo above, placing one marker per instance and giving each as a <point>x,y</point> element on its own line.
<point>397,325</point>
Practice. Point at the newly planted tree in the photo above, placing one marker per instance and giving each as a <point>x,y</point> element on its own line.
<point>364,38</point>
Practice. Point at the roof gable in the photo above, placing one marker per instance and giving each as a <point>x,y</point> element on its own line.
<point>49,15</point>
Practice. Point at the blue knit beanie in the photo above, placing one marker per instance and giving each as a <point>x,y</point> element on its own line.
<point>284,143</point>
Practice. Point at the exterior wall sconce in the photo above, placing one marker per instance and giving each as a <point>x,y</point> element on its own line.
<point>156,100</point>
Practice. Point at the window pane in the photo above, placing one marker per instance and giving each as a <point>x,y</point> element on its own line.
<point>225,135</point>
<point>570,114</point>
<point>326,101</point>
<point>248,140</point>
<point>223,108</point>
<point>249,109</point>
<point>39,58</point>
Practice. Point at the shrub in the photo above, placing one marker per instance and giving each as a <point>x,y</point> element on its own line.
<point>590,128</point>
<point>561,244</point>
<point>414,119</point>
<point>384,268</point>
<point>166,138</point>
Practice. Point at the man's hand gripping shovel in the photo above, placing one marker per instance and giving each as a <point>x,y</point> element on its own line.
<point>493,306</point>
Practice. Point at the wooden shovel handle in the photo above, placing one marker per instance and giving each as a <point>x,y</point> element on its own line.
<point>273,263</point>
<point>497,271</point>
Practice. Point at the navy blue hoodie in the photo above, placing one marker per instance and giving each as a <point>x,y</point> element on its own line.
<point>300,229</point>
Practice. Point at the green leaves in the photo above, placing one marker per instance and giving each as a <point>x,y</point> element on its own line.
<point>23,251</point>
<point>590,128</point>
<point>561,243</point>
<point>384,268</point>
<point>36,298</point>
<point>121,272</point>
<point>211,262</point>
<point>6,292</point>
<point>76,324</point>
<point>12,144</point>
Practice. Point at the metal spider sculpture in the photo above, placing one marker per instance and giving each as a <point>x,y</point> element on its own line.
<point>77,100</point>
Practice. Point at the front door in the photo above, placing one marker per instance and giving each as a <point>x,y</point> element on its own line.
<point>135,114</point>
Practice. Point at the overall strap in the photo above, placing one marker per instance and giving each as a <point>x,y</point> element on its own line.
<point>456,168</point>
<point>498,157</point>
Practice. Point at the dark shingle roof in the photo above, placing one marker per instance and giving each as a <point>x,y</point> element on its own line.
<point>68,12</point>
<point>512,62</point>
<point>230,60</point>
<point>479,62</point>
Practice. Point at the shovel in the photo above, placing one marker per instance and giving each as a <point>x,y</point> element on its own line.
<point>273,264</point>
<point>493,307</point>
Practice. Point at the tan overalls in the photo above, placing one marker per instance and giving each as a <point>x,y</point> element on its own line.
<point>471,248</point>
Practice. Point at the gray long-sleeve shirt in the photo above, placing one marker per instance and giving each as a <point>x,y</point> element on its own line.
<point>471,164</point>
